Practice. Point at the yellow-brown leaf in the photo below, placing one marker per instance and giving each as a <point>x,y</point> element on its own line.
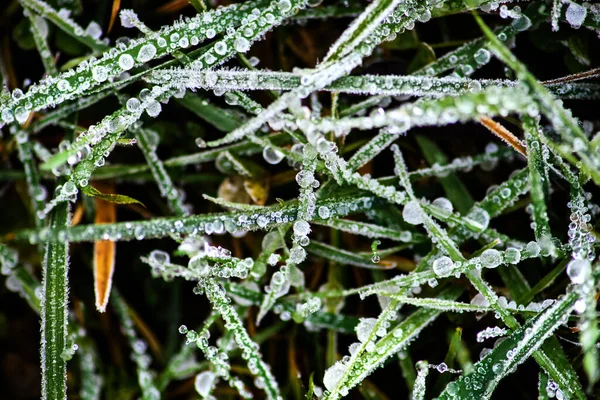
<point>104,254</point>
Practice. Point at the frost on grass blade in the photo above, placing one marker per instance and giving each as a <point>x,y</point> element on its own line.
<point>194,225</point>
<point>55,289</point>
<point>74,83</point>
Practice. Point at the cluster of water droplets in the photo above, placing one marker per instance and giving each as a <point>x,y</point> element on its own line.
<point>490,332</point>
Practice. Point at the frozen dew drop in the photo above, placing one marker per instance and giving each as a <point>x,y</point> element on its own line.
<point>7,116</point>
<point>305,179</point>
<point>479,301</point>
<point>578,270</point>
<point>99,73</point>
<point>153,108</point>
<point>94,30</point>
<point>482,56</point>
<point>272,156</point>
<point>159,257</point>
<point>301,228</point>
<point>221,48</point>
<point>183,329</point>
<point>147,53</point>
<point>441,368</point>
<point>126,62</point>
<point>479,216</point>
<point>333,375</point>
<point>199,265</point>
<point>512,255</point>
<point>364,328</point>
<point>323,212</point>
<point>241,44</point>
<point>575,15</point>
<point>63,85</point>
<point>133,104</point>
<point>491,258</point>
<point>203,382</point>
<point>412,213</point>
<point>284,5</point>
<point>21,114</point>
<point>210,33</point>
<point>443,266</point>
<point>444,204</point>
<point>533,249</point>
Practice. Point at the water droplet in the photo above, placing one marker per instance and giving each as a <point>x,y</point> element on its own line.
<point>272,156</point>
<point>443,266</point>
<point>147,53</point>
<point>203,382</point>
<point>578,270</point>
<point>126,62</point>
<point>241,44</point>
<point>412,213</point>
<point>491,258</point>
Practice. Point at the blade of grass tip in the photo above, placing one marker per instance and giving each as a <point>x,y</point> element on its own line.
<point>504,134</point>
<point>147,141</point>
<point>65,24</point>
<point>116,6</point>
<point>563,122</point>
<point>39,29</point>
<point>543,387</point>
<point>104,252</point>
<point>55,290</point>
<point>138,347</point>
<point>37,192</point>
<point>360,28</point>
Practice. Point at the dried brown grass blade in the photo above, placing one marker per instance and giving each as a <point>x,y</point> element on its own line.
<point>104,252</point>
<point>504,134</point>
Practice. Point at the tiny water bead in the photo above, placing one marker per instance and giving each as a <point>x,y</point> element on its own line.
<point>272,156</point>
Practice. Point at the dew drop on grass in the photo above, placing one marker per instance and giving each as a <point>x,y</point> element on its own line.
<point>575,15</point>
<point>242,45</point>
<point>133,104</point>
<point>479,216</point>
<point>577,270</point>
<point>512,255</point>
<point>333,375</point>
<point>153,108</point>
<point>444,204</point>
<point>301,228</point>
<point>479,300</point>
<point>491,258</point>
<point>272,156</point>
<point>126,62</point>
<point>412,213</point>
<point>364,328</point>
<point>443,266</point>
<point>203,382</point>
<point>482,56</point>
<point>147,53</point>
<point>99,73</point>
<point>323,212</point>
<point>159,257</point>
